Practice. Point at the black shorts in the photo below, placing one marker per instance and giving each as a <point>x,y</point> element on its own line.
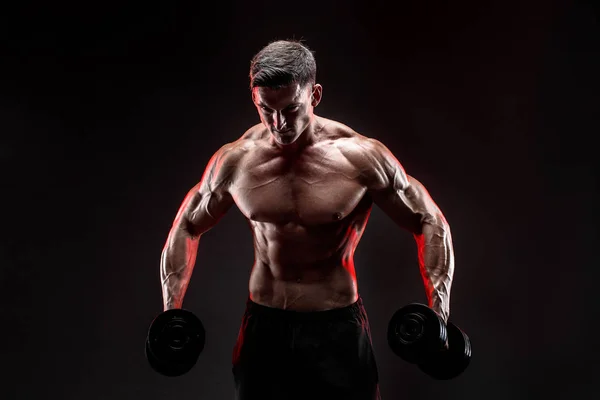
<point>289,355</point>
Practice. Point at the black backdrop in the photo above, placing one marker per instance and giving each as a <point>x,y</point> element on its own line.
<point>109,113</point>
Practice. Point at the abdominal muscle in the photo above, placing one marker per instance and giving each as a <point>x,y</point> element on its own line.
<point>303,269</point>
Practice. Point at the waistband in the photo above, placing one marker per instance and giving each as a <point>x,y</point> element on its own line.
<point>349,311</point>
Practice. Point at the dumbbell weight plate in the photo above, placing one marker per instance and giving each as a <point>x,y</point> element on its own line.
<point>415,331</point>
<point>175,340</point>
<point>448,364</point>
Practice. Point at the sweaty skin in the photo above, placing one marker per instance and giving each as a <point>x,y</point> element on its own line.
<point>307,200</point>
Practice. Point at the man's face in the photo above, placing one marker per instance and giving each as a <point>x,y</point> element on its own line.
<point>286,112</point>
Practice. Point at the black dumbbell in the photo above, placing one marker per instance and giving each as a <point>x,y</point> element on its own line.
<point>174,342</point>
<point>417,334</point>
<point>451,362</point>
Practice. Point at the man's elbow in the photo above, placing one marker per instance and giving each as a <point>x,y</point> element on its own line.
<point>434,224</point>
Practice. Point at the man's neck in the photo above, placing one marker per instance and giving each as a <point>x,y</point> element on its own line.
<point>306,138</point>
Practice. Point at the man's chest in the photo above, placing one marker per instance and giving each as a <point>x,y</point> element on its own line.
<point>317,187</point>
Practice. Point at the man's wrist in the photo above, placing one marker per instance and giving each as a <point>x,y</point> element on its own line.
<point>437,305</point>
<point>170,306</point>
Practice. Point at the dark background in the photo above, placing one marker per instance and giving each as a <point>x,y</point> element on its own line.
<point>109,113</point>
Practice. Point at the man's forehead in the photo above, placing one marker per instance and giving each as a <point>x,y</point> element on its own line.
<point>287,93</point>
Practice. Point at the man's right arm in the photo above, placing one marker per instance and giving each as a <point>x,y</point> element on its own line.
<point>201,209</point>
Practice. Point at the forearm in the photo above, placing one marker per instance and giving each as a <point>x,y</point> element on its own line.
<point>176,266</point>
<point>436,261</point>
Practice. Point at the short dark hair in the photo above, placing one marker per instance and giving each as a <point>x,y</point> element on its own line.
<point>281,63</point>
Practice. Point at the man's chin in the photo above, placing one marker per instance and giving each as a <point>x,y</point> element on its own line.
<point>283,138</point>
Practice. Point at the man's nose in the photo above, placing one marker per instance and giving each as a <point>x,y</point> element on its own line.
<point>278,121</point>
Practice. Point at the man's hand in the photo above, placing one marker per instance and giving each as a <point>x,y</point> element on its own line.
<point>446,346</point>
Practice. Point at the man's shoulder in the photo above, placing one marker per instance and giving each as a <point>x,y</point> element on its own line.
<point>254,133</point>
<point>352,143</point>
<point>368,154</point>
<point>226,160</point>
<point>232,152</point>
<point>344,135</point>
<point>335,131</point>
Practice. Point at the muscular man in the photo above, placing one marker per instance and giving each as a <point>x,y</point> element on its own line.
<point>306,185</point>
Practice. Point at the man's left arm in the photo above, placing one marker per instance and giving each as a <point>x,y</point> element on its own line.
<point>408,203</point>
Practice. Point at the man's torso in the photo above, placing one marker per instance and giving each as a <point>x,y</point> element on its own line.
<point>307,213</point>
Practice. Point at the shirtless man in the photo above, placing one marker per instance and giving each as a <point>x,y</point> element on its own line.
<point>306,185</point>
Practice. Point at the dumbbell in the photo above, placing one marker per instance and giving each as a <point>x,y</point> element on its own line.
<point>174,342</point>
<point>417,334</point>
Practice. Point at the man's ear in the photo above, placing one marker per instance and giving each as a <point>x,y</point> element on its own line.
<point>316,95</point>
